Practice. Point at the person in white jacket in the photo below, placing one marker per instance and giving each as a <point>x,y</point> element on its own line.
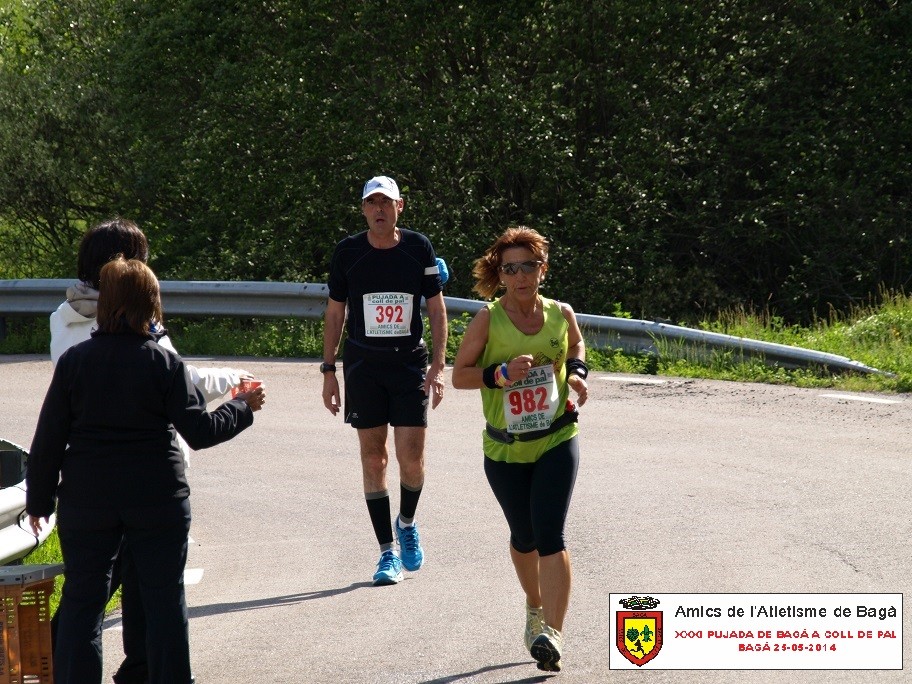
<point>72,323</point>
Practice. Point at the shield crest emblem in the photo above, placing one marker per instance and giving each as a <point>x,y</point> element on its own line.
<point>639,635</point>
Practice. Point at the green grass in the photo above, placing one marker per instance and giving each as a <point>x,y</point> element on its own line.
<point>273,338</point>
<point>876,335</point>
<point>48,554</point>
<point>879,335</point>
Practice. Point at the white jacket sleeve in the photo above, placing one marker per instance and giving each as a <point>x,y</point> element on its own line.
<point>215,383</point>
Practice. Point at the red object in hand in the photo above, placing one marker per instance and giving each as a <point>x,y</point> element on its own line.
<point>245,386</point>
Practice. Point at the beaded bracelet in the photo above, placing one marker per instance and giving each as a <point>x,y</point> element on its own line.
<point>500,376</point>
<point>495,376</point>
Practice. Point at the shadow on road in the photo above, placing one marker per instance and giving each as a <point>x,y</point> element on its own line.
<point>219,608</point>
<point>491,668</point>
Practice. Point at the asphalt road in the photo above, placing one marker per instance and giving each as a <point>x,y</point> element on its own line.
<point>684,487</point>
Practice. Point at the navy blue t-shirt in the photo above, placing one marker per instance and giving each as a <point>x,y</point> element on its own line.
<point>383,288</point>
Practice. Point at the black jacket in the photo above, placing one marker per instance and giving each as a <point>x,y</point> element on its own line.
<point>107,427</point>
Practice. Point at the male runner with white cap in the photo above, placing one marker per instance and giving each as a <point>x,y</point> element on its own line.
<point>380,276</point>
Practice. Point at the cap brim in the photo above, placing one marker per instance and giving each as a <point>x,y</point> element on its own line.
<point>381,191</point>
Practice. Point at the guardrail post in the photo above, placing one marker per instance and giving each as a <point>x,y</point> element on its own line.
<point>2,327</point>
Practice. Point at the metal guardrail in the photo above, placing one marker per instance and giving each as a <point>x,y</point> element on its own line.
<point>16,538</point>
<point>39,297</point>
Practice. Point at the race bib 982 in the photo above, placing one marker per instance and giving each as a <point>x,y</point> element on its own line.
<point>530,404</point>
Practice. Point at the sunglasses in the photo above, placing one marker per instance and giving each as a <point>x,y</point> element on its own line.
<point>516,267</point>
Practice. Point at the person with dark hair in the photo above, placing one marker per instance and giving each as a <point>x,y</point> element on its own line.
<point>376,281</point>
<point>107,456</point>
<point>72,323</point>
<point>107,239</point>
<point>525,353</point>
<point>74,319</point>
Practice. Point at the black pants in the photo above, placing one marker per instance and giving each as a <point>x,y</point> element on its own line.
<point>157,541</point>
<point>134,669</point>
<point>535,497</point>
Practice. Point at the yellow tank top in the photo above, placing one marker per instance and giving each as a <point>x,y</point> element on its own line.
<point>549,348</point>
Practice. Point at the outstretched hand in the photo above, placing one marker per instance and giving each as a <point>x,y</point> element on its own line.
<point>254,398</point>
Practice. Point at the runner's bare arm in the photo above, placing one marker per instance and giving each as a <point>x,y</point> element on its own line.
<point>334,321</point>
<point>438,320</point>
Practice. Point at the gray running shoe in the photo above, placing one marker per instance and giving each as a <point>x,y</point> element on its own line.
<point>546,649</point>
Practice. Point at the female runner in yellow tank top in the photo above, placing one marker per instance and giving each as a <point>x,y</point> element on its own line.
<point>525,353</point>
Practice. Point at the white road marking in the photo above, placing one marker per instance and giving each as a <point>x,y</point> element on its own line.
<point>193,575</point>
<point>634,380</point>
<point>855,397</point>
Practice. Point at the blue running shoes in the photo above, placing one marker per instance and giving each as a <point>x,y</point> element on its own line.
<point>389,569</point>
<point>409,546</point>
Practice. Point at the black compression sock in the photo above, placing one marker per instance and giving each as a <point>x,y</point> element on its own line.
<point>378,506</point>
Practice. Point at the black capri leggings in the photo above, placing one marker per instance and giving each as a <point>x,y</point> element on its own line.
<point>535,497</point>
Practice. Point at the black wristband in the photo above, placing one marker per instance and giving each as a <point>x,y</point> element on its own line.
<point>578,367</point>
<point>487,376</point>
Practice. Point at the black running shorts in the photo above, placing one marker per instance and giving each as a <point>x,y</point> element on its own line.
<point>385,387</point>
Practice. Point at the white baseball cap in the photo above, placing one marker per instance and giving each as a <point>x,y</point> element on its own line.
<point>382,184</point>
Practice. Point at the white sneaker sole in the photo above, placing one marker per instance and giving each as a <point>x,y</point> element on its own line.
<point>546,654</point>
<point>386,580</point>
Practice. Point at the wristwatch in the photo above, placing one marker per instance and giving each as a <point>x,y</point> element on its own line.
<point>327,367</point>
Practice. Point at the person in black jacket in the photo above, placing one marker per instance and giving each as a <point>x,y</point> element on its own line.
<point>72,323</point>
<point>106,451</point>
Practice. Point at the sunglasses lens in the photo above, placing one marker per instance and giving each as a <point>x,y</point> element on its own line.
<point>524,266</point>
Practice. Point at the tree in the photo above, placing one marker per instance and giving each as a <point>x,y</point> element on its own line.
<point>60,155</point>
<point>682,158</point>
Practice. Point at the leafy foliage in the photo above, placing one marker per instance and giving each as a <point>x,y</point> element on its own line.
<point>682,158</point>
<point>56,128</point>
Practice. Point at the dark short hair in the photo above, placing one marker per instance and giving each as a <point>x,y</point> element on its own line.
<point>103,242</point>
<point>129,298</point>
